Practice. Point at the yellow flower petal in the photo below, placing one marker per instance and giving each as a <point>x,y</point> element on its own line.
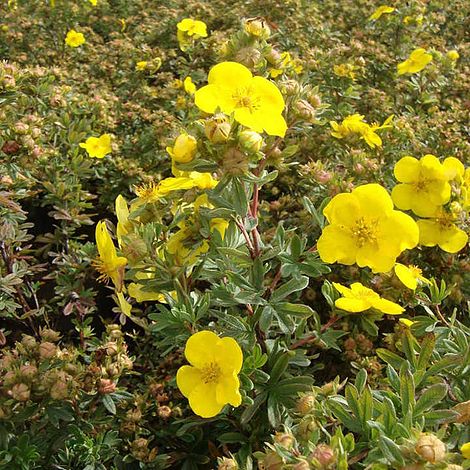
<point>352,305</point>
<point>227,390</point>
<point>386,306</point>
<point>201,348</point>
<point>405,276</point>
<point>203,400</point>
<point>407,169</point>
<point>187,379</point>
<point>229,75</point>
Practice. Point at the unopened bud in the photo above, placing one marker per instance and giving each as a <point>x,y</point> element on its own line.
<point>430,448</point>
<point>324,454</point>
<point>290,87</point>
<point>106,386</point>
<point>227,464</point>
<point>29,342</point>
<point>251,140</point>
<point>234,162</point>
<point>248,56</point>
<point>164,412</point>
<point>284,439</point>
<point>21,128</point>
<point>305,110</point>
<point>20,392</point>
<point>463,409</point>
<point>217,129</point>
<point>314,100</point>
<point>49,335</point>
<point>306,403</point>
<point>184,149</point>
<point>272,461</point>
<point>302,465</point>
<point>28,371</point>
<point>47,350</point>
<point>273,56</point>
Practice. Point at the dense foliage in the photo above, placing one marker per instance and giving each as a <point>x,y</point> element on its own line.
<point>234,235</point>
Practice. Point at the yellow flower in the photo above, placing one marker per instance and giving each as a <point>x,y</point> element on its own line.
<point>441,230</point>
<point>286,63</point>
<point>257,27</point>
<point>405,321</point>
<point>359,298</point>
<point>184,148</point>
<point>416,62</point>
<point>109,265</point>
<point>189,86</point>
<point>465,449</point>
<point>254,101</point>
<point>97,146</point>
<point>74,39</point>
<point>381,11</point>
<point>453,55</point>
<point>355,125</point>
<point>345,70</point>
<point>94,2</point>
<point>211,381</point>
<point>138,291</point>
<point>189,30</point>
<point>364,229</point>
<point>410,275</point>
<point>424,185</point>
<point>193,27</point>
<point>142,65</point>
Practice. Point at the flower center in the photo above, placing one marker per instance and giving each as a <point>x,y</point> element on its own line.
<point>415,271</point>
<point>243,99</point>
<point>147,191</point>
<point>364,231</point>
<point>211,373</point>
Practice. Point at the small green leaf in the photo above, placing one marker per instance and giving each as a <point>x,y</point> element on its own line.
<point>109,404</point>
<point>294,285</point>
<point>391,451</point>
<point>430,397</point>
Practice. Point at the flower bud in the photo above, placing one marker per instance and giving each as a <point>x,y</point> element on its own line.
<point>301,465</point>
<point>463,409</point>
<point>227,464</point>
<point>20,392</point>
<point>9,378</point>
<point>284,439</point>
<point>28,371</point>
<point>21,128</point>
<point>60,389</point>
<point>112,370</point>
<point>430,448</point>
<point>271,461</point>
<point>257,27</point>
<point>273,56</point>
<point>164,412</point>
<point>453,55</point>
<point>139,448</point>
<point>49,335</point>
<point>305,110</point>
<point>106,386</point>
<point>184,149</point>
<point>290,87</point>
<point>251,140</point>
<point>29,342</point>
<point>324,454</point>
<point>234,162</point>
<point>314,100</point>
<point>248,56</point>
<point>114,331</point>
<point>111,348</point>
<point>134,250</point>
<point>47,350</point>
<point>306,403</point>
<point>134,415</point>
<point>217,129</point>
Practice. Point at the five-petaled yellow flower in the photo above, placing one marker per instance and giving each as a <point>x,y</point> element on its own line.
<point>424,185</point>
<point>74,39</point>
<point>440,230</point>
<point>97,147</point>
<point>211,381</point>
<point>410,275</point>
<point>141,65</point>
<point>383,9</point>
<point>189,30</point>
<point>359,298</point>
<point>109,264</point>
<point>254,101</point>
<point>364,229</point>
<point>416,62</point>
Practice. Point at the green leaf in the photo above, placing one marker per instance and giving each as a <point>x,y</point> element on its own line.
<point>338,409</point>
<point>407,389</point>
<point>109,404</point>
<point>352,398</point>
<point>252,409</point>
<point>390,357</point>
<point>391,451</point>
<point>294,285</point>
<point>440,416</point>
<point>427,348</point>
<point>279,368</point>
<point>239,198</point>
<point>430,397</point>
<point>361,380</point>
